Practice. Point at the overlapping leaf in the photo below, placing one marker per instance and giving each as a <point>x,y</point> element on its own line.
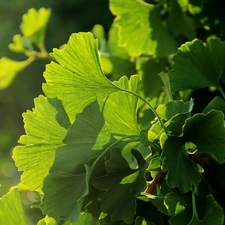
<point>34,25</point>
<point>45,126</point>
<point>152,36</point>
<point>197,65</point>
<point>64,194</point>
<point>9,70</point>
<point>182,172</point>
<point>11,209</point>
<point>77,74</point>
<point>86,138</point>
<point>121,186</point>
<point>120,110</point>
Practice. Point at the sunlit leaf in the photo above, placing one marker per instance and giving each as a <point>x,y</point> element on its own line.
<point>152,36</point>
<point>34,25</point>
<point>9,69</point>
<point>45,130</point>
<point>122,108</point>
<point>11,209</point>
<point>77,74</point>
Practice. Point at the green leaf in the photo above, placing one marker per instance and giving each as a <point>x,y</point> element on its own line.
<point>148,69</point>
<point>9,70</point>
<point>179,208</point>
<point>121,186</point>
<point>207,132</point>
<point>34,25</point>
<point>213,214</point>
<point>141,221</point>
<point>85,139</point>
<point>175,113</point>
<point>45,130</point>
<point>181,171</point>
<point>64,194</point>
<point>152,37</point>
<point>11,209</point>
<point>18,44</point>
<point>77,74</point>
<point>217,103</point>
<point>197,65</point>
<point>120,110</point>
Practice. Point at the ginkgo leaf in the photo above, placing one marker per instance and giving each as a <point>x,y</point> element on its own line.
<point>18,44</point>
<point>207,132</point>
<point>11,209</point>
<point>64,194</point>
<point>217,103</point>
<point>45,130</point>
<point>197,65</point>
<point>122,185</point>
<point>122,108</point>
<point>152,36</point>
<point>85,139</point>
<point>182,172</point>
<point>141,221</point>
<point>34,25</point>
<point>9,70</point>
<point>77,74</point>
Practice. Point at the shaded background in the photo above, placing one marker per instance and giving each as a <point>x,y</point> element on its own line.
<point>68,16</point>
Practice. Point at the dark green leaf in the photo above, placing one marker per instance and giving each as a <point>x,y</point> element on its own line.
<point>64,194</point>
<point>182,172</point>
<point>217,103</point>
<point>197,65</point>
<point>86,137</point>
<point>121,186</point>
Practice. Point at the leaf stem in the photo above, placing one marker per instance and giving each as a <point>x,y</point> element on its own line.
<point>147,103</point>
<point>222,92</point>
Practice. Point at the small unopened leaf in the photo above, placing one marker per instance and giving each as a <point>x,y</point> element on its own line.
<point>34,25</point>
<point>11,209</point>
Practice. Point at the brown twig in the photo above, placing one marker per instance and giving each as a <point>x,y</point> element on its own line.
<point>157,180</point>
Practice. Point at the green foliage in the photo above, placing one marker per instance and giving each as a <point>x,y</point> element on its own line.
<point>121,149</point>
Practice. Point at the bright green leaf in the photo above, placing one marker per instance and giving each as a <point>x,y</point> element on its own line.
<point>85,139</point>
<point>121,186</point>
<point>120,110</point>
<point>45,130</point>
<point>182,172</point>
<point>207,132</point>
<point>18,44</point>
<point>64,194</point>
<point>9,69</point>
<point>77,74</point>
<point>152,36</point>
<point>11,209</point>
<point>34,25</point>
<point>197,65</point>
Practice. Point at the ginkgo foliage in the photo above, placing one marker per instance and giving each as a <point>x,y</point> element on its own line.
<point>106,151</point>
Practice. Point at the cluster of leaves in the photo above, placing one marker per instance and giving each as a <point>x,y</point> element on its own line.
<point>126,149</point>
